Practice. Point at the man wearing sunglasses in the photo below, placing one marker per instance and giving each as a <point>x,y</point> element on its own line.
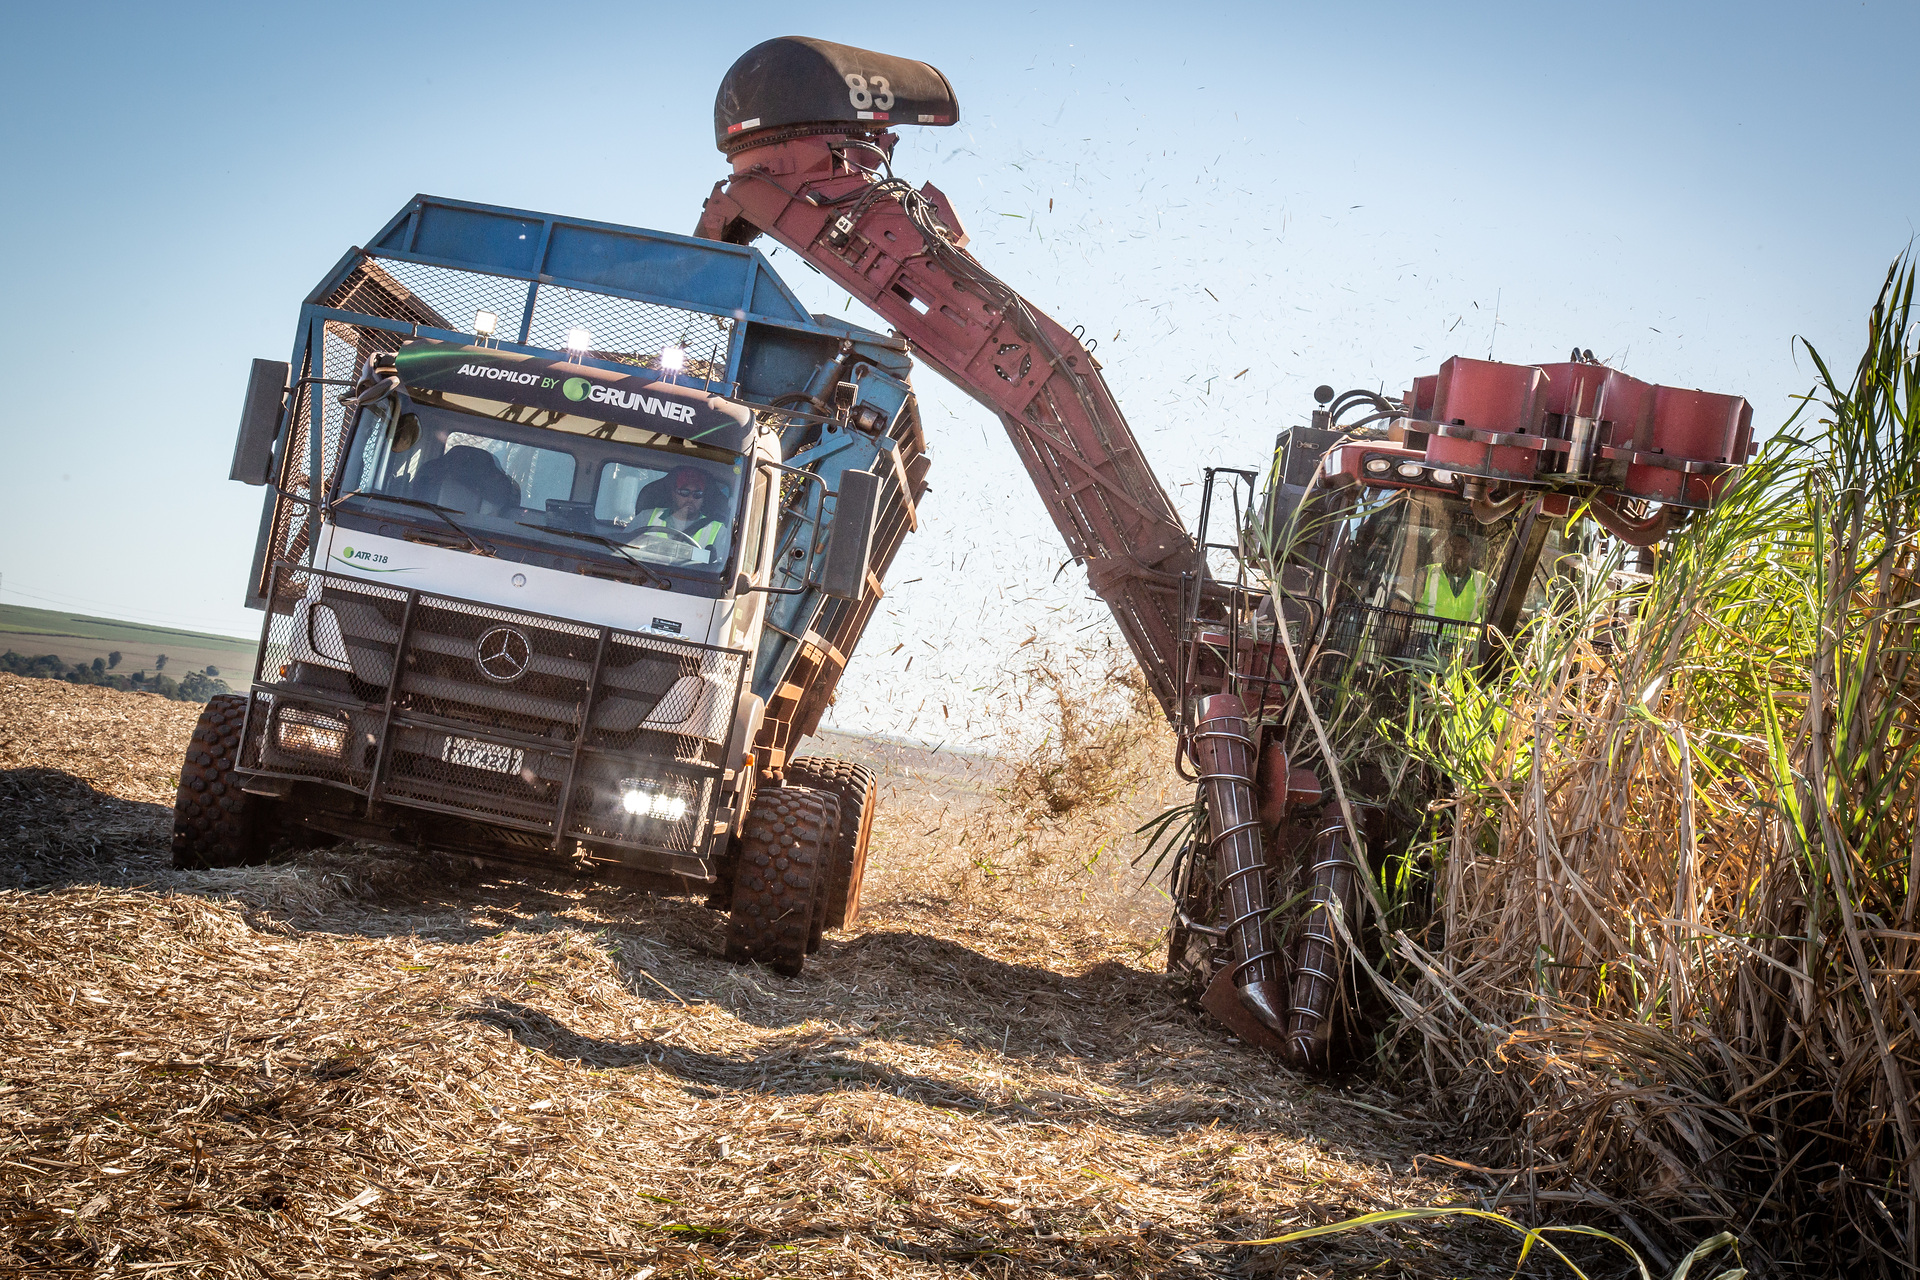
<point>679,531</point>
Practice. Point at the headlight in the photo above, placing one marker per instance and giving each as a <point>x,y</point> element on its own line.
<point>1410,470</point>
<point>641,799</point>
<point>311,733</point>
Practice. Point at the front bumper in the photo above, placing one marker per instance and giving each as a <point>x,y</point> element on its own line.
<point>576,733</point>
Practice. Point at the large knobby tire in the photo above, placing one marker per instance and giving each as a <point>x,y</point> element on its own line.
<point>215,823</point>
<point>859,796</point>
<point>785,848</point>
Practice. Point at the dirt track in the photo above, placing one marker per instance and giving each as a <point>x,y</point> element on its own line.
<point>349,1063</point>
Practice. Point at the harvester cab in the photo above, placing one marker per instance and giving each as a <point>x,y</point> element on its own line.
<point>1391,534</point>
<point>569,531</point>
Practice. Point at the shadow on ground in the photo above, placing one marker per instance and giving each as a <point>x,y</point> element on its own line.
<point>57,830</point>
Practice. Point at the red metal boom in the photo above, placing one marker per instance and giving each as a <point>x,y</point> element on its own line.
<point>828,196</point>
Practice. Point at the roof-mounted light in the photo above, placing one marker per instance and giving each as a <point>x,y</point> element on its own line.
<point>673,358</point>
<point>579,340</point>
<point>484,323</point>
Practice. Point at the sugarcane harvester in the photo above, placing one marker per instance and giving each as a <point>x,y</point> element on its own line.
<point>1437,519</point>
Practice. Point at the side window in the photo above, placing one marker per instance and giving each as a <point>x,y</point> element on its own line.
<point>363,464</point>
<point>752,552</point>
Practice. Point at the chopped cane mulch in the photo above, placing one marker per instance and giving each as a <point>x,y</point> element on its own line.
<point>351,1062</point>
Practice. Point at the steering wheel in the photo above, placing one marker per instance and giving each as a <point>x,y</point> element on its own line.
<point>671,533</point>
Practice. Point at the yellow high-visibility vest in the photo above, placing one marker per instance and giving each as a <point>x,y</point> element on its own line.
<point>1440,600</point>
<point>703,537</point>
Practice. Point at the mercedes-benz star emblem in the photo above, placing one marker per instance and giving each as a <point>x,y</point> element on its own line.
<point>502,654</point>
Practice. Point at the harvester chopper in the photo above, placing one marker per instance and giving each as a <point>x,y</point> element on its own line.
<point>1429,524</point>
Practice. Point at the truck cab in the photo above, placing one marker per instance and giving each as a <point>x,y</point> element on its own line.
<point>557,599</point>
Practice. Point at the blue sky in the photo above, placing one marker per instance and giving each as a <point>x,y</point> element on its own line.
<point>1308,193</point>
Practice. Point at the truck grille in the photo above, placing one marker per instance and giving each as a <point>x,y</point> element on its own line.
<point>538,724</point>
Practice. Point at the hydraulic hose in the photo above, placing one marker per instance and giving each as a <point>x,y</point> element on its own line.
<point>1347,399</point>
<point>1639,533</point>
<point>1488,510</point>
<point>373,385</point>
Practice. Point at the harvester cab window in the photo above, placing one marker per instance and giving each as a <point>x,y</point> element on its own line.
<point>1412,583</point>
<point>1565,562</point>
<point>1452,583</point>
<point>752,548</point>
<point>1413,551</point>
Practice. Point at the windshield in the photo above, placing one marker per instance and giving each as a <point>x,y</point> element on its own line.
<point>1416,551</point>
<point>498,481</point>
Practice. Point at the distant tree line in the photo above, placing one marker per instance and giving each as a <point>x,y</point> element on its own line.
<point>195,686</point>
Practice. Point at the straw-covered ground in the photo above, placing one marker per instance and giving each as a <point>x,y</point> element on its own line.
<point>355,1063</point>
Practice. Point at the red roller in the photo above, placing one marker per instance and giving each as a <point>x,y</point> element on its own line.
<point>1316,978</point>
<point>1224,753</point>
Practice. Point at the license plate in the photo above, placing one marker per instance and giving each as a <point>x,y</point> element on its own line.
<point>482,755</point>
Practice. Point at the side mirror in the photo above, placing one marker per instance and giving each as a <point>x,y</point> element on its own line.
<point>843,572</point>
<point>259,422</point>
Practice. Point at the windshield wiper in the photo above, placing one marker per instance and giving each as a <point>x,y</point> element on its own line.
<point>648,570</point>
<point>480,548</point>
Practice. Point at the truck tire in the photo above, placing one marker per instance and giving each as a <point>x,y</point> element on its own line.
<point>785,848</point>
<point>215,823</point>
<point>859,796</point>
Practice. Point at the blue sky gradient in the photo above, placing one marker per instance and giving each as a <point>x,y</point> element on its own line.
<point>1342,194</point>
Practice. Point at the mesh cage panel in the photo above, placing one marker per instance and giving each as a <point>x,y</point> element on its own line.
<point>640,802</point>
<point>688,693</point>
<point>451,773</point>
<point>495,669</point>
<point>621,330</point>
<point>338,357</point>
<point>629,332</point>
<point>439,297</point>
<point>347,347</point>
<point>1358,633</point>
<point>327,652</point>
<point>288,538</point>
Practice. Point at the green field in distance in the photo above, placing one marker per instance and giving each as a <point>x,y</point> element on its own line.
<point>79,638</point>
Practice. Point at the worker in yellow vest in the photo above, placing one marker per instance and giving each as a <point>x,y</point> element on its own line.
<point>686,523</point>
<point>1454,587</point>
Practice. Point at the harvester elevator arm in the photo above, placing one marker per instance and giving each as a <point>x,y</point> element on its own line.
<point>829,197</point>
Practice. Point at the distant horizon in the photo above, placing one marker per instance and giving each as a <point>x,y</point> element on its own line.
<point>6,609</point>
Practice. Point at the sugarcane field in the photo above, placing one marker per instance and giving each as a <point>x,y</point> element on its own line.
<point>1289,647</point>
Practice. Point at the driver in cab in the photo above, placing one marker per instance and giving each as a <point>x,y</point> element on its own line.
<point>1455,585</point>
<point>682,528</point>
